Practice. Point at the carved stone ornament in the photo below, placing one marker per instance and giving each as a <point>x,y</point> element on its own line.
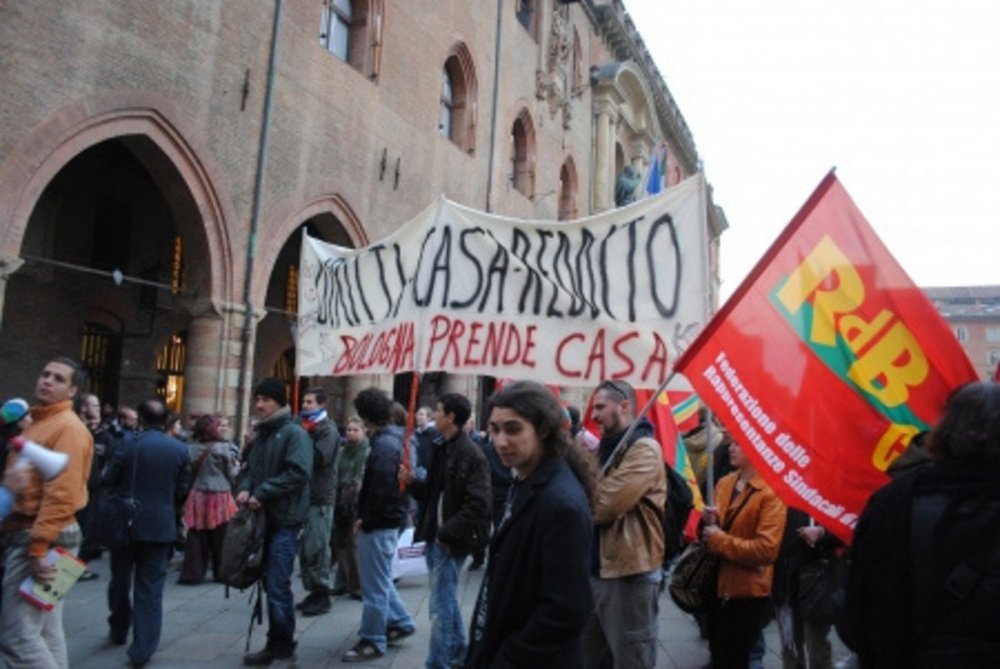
<point>560,38</point>
<point>552,84</point>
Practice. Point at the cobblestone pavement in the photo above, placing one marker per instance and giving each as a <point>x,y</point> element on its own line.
<point>202,628</point>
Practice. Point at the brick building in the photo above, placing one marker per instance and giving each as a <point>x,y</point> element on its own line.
<point>159,160</point>
<point>973,312</point>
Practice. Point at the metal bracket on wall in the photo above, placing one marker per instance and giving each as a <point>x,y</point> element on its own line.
<point>245,90</point>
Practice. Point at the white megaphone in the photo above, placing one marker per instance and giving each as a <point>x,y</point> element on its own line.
<point>48,463</point>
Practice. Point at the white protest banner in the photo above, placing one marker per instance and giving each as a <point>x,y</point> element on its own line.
<point>616,295</point>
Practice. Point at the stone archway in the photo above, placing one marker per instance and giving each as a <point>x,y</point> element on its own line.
<point>626,126</point>
<point>30,168</point>
<point>104,186</point>
<point>276,283</point>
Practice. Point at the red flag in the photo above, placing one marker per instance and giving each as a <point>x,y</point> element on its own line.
<point>826,360</point>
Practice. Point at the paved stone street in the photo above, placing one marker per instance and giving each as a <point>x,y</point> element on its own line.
<point>204,629</point>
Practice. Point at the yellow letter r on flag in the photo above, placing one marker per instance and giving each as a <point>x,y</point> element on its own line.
<point>823,261</point>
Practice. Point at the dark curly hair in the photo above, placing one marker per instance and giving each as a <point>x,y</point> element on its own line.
<point>537,405</point>
<point>968,433</point>
<point>374,406</point>
<point>206,429</point>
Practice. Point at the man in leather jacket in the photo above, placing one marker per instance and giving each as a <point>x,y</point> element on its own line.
<point>629,546</point>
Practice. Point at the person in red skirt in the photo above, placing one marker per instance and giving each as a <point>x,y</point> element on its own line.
<point>210,504</point>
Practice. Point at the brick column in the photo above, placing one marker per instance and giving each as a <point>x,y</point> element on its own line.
<point>211,375</point>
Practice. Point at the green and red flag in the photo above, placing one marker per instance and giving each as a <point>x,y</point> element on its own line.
<point>668,434</point>
<point>826,361</point>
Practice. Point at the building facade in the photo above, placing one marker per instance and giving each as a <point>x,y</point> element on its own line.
<point>159,162</point>
<point>973,312</point>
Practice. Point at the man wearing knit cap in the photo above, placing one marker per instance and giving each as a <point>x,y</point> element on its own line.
<point>44,517</point>
<point>279,466</point>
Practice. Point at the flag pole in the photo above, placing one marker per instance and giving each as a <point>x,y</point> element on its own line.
<point>621,447</point>
<point>408,435</point>
<point>709,459</point>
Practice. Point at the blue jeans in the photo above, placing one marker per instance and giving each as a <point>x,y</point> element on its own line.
<point>382,607</point>
<point>146,563</point>
<point>447,648</point>
<point>282,545</point>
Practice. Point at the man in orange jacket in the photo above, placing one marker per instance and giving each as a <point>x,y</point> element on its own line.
<point>44,517</point>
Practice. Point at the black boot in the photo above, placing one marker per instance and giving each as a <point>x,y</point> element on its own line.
<point>316,604</point>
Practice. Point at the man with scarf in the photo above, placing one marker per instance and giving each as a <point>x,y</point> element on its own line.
<point>314,553</point>
<point>628,535</point>
<point>279,466</point>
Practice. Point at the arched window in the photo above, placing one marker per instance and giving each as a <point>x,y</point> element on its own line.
<point>523,154</point>
<point>335,31</point>
<point>457,115</point>
<point>352,31</point>
<point>447,104</point>
<point>567,191</point>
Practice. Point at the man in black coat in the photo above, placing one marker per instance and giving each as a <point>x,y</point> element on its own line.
<point>155,470</point>
<point>454,520</point>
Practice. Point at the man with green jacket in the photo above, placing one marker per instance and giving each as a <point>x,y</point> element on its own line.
<point>279,467</point>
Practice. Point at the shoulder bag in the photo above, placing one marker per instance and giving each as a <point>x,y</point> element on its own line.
<point>695,576</point>
<point>117,513</point>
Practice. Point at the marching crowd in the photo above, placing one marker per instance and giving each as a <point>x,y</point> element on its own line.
<point>569,526</point>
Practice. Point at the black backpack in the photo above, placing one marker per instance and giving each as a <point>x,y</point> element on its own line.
<point>680,501</point>
<point>242,561</point>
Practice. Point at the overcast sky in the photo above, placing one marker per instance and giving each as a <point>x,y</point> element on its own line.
<point>902,97</point>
